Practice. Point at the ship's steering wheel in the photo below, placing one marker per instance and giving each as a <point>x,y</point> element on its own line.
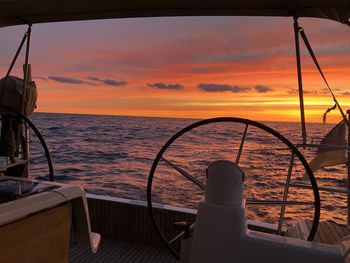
<point>37,133</point>
<point>292,148</point>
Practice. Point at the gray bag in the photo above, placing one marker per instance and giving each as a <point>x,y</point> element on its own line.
<point>11,95</point>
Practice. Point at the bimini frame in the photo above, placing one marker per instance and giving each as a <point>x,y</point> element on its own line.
<point>299,30</point>
<point>26,78</point>
<point>19,12</point>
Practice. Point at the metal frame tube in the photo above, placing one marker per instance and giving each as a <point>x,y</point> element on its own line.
<point>285,194</point>
<point>300,81</point>
<point>27,142</point>
<point>26,68</point>
<point>348,166</point>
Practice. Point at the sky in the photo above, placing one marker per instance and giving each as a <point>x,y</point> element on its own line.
<point>186,67</point>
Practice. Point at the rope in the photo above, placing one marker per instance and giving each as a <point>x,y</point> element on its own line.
<point>328,110</point>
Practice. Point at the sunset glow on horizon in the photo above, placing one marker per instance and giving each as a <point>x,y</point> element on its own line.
<point>195,67</point>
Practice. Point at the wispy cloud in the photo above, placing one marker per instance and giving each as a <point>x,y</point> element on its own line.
<point>160,85</point>
<point>93,78</point>
<point>41,78</point>
<point>262,89</point>
<point>111,82</point>
<point>307,92</point>
<point>66,80</point>
<point>210,87</point>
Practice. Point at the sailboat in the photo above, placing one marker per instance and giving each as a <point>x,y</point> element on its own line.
<point>43,221</point>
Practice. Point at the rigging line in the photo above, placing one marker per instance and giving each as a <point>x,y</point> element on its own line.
<point>13,62</point>
<point>17,53</point>
<point>312,54</point>
<point>26,69</point>
<point>327,111</point>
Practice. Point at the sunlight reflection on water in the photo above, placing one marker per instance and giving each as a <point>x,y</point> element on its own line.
<point>112,155</point>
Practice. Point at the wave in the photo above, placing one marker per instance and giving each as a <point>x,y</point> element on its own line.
<point>112,155</point>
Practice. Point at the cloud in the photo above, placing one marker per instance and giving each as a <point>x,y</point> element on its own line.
<point>262,89</point>
<point>325,91</point>
<point>66,80</point>
<point>160,85</point>
<point>222,88</point>
<point>321,92</point>
<point>306,92</point>
<point>115,83</point>
<point>93,78</point>
<point>346,93</point>
<point>110,82</point>
<point>41,78</point>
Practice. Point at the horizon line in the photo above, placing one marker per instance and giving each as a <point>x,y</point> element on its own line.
<point>170,117</point>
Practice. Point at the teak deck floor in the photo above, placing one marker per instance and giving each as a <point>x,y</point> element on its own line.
<point>327,232</point>
<point>120,251</point>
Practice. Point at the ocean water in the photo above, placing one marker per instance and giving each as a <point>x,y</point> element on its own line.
<point>112,155</point>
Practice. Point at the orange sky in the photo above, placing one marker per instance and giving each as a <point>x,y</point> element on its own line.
<point>184,67</point>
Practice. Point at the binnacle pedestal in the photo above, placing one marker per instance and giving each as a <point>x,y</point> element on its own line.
<point>221,233</point>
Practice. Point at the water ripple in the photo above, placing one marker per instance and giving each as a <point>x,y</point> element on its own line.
<point>112,155</point>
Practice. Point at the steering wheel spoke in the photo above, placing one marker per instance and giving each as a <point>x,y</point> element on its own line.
<point>240,150</point>
<point>184,173</point>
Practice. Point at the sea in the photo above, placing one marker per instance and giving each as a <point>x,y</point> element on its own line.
<point>113,155</point>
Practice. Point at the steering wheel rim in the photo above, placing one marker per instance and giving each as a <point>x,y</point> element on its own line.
<point>38,134</point>
<point>317,202</point>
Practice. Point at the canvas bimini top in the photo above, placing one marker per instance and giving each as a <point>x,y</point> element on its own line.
<point>16,12</point>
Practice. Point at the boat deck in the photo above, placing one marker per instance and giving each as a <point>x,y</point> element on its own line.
<point>327,232</point>
<point>120,251</point>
